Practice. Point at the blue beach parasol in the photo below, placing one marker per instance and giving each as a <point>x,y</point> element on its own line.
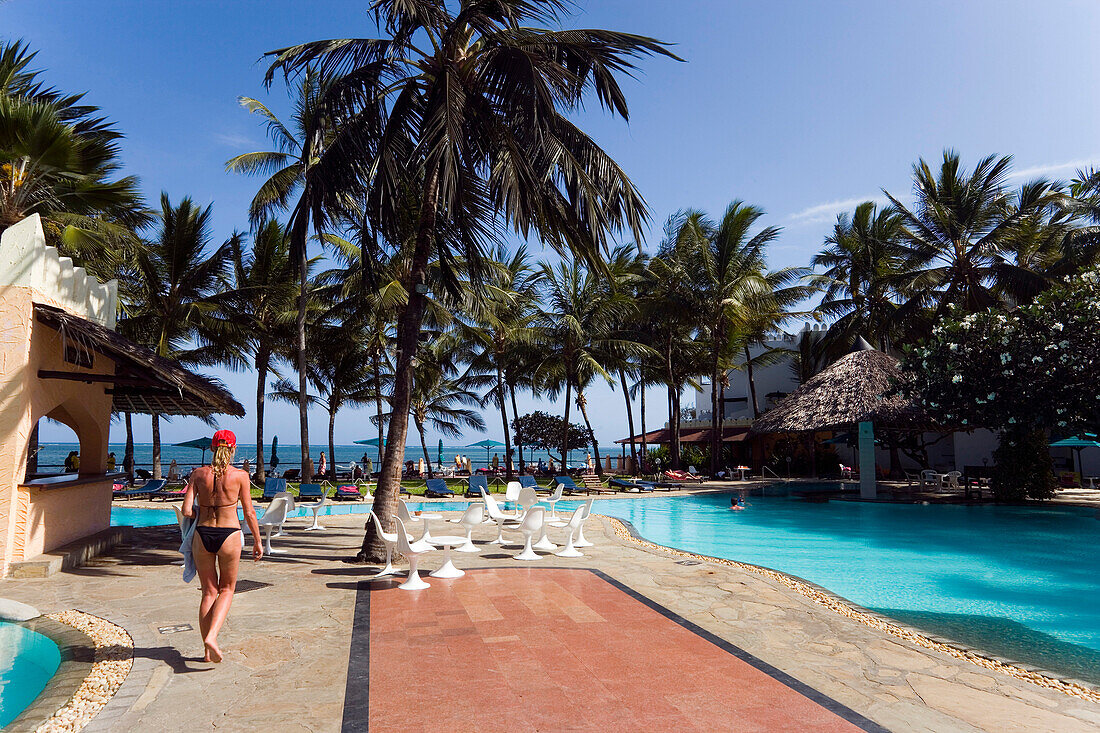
<point>487,444</point>
<point>202,444</point>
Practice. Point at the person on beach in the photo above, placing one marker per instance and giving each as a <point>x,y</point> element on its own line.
<point>322,465</point>
<point>218,541</point>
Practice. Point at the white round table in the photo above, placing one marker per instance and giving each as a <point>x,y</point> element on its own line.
<point>447,569</point>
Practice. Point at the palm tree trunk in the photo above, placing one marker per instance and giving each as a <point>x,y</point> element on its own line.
<point>156,445</point>
<point>424,446</point>
<point>32,454</point>
<point>565,426</point>
<point>629,417</point>
<point>332,442</point>
<point>303,392</point>
<point>263,357</point>
<point>752,384</point>
<point>641,407</point>
<point>128,456</point>
<point>715,421</point>
<point>674,425</point>
<point>378,403</point>
<point>408,339</point>
<point>515,417</point>
<point>504,419</point>
<point>588,424</point>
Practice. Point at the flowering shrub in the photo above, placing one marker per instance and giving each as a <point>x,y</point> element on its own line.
<point>1026,372</point>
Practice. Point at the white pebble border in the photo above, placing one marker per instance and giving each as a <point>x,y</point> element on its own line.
<point>835,603</point>
<point>114,657</point>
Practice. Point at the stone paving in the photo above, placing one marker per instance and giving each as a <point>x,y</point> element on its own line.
<point>288,638</point>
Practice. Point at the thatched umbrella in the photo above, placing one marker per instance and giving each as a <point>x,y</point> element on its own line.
<point>854,389</point>
<point>857,390</point>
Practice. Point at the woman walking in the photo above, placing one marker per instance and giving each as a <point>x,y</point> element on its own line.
<point>216,546</point>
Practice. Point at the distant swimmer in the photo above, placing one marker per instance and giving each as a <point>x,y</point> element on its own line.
<point>737,503</point>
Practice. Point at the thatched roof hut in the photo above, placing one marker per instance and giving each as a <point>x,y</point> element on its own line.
<point>143,382</point>
<point>856,388</point>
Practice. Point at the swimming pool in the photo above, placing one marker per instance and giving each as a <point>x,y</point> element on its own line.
<point>27,662</point>
<point>1019,582</point>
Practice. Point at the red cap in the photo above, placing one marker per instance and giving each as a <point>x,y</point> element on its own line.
<point>223,438</point>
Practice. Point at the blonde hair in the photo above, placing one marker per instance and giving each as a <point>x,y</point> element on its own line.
<point>223,455</point>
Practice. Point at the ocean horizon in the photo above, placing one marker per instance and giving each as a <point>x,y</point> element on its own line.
<point>51,456</point>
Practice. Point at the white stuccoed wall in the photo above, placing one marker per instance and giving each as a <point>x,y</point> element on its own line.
<point>26,261</point>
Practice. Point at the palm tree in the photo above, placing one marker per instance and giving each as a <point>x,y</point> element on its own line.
<point>503,324</point>
<point>442,396</point>
<point>626,272</point>
<point>59,159</point>
<point>864,260</point>
<point>263,309</point>
<point>956,229</point>
<point>340,371</point>
<point>471,110</point>
<point>310,164</point>
<point>181,288</point>
<point>668,297</point>
<point>579,316</point>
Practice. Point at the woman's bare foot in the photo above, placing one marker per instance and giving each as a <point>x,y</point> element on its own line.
<point>213,653</point>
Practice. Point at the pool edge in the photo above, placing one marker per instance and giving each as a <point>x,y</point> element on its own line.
<point>77,653</point>
<point>853,611</point>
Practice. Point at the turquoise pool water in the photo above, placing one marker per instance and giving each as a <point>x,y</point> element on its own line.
<point>1020,582</point>
<point>27,662</point>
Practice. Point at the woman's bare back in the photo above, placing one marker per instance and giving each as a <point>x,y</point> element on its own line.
<point>218,497</point>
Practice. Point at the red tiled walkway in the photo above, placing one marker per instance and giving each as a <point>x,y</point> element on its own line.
<point>551,650</point>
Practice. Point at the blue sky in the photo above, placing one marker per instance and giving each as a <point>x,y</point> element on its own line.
<point>803,108</point>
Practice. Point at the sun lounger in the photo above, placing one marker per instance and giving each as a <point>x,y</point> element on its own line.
<point>310,491</point>
<point>166,493</point>
<point>529,482</point>
<point>477,484</point>
<point>292,474</point>
<point>571,487</point>
<point>592,482</point>
<point>148,488</point>
<point>437,487</point>
<point>347,493</point>
<point>273,486</point>
<point>681,476</point>
<point>628,485</point>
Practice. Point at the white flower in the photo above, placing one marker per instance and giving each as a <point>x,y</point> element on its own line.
<point>956,379</point>
<point>953,347</point>
<point>1057,326</point>
<point>991,395</point>
<point>1005,358</point>
<point>1011,421</point>
<point>1036,360</point>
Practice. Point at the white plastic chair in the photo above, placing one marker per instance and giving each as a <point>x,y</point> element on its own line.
<point>390,540</point>
<point>532,523</point>
<point>511,491</point>
<point>552,500</point>
<point>471,518</point>
<point>315,507</point>
<point>929,479</point>
<point>573,525</point>
<point>415,582</point>
<point>289,498</point>
<point>527,499</point>
<point>951,480</point>
<point>272,519</point>
<point>404,515</point>
<point>581,541</point>
<point>497,516</point>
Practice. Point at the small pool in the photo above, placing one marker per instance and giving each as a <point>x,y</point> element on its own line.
<point>27,662</point>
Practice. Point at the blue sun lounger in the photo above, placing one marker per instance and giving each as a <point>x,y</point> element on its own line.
<point>149,487</point>
<point>310,491</point>
<point>569,484</point>
<point>437,487</point>
<point>624,484</point>
<point>529,482</point>
<point>476,485</point>
<point>273,486</point>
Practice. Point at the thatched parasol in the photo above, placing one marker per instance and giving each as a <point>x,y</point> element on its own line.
<point>856,388</point>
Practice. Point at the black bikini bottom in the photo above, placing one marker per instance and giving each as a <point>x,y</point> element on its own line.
<point>214,537</point>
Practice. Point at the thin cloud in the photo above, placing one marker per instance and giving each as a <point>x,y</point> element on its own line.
<point>1051,169</point>
<point>233,140</point>
<point>827,212</point>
